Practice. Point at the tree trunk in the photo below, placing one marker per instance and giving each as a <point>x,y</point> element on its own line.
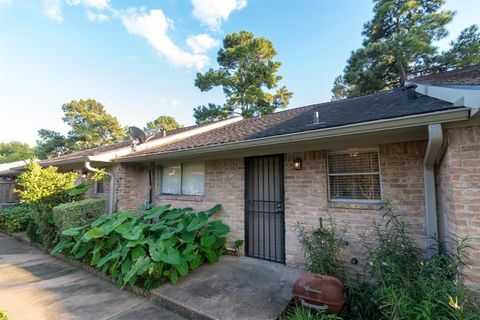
<point>403,74</point>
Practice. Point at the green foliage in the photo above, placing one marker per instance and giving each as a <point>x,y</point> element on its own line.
<point>15,219</point>
<point>3,315</point>
<point>464,51</point>
<point>100,175</point>
<point>322,247</point>
<point>91,125</point>
<point>398,42</point>
<point>162,122</point>
<point>15,151</point>
<point>78,213</point>
<point>301,313</point>
<point>248,75</point>
<point>44,187</point>
<point>407,285</point>
<point>51,144</point>
<point>160,244</point>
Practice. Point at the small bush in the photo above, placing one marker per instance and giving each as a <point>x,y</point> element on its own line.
<point>15,219</point>
<point>301,313</point>
<point>78,213</point>
<point>322,247</point>
<point>160,244</point>
<point>3,315</point>
<point>406,284</point>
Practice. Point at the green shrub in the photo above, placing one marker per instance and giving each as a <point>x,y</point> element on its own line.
<point>3,315</point>
<point>43,189</point>
<point>322,247</point>
<point>78,213</point>
<point>301,313</point>
<point>160,244</point>
<point>406,284</point>
<point>15,219</point>
<point>32,230</point>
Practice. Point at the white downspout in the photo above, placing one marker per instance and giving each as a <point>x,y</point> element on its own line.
<point>435,141</point>
<point>110,188</point>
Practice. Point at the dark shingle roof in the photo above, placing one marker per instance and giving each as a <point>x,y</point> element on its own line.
<point>101,149</point>
<point>384,105</point>
<point>467,76</point>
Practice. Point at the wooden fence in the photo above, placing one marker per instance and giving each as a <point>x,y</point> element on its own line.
<point>6,192</point>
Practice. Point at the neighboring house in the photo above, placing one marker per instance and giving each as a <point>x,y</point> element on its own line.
<point>8,173</point>
<point>416,147</point>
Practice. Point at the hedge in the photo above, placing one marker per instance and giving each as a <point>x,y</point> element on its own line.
<point>14,219</point>
<point>78,213</point>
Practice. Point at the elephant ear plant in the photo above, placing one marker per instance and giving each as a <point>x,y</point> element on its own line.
<point>160,244</point>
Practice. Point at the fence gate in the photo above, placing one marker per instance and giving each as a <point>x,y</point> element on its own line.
<point>6,192</point>
<point>264,208</point>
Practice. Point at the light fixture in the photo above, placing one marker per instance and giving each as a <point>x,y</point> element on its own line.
<point>84,174</point>
<point>297,164</point>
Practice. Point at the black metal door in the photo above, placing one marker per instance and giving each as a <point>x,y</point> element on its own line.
<point>264,208</point>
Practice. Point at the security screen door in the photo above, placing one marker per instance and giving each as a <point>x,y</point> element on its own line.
<point>264,208</point>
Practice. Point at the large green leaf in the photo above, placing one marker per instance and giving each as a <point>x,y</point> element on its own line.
<point>155,212</point>
<point>167,234</point>
<point>172,256</point>
<point>94,233</point>
<point>100,220</point>
<point>176,213</point>
<point>61,246</point>
<point>133,234</point>
<point>82,251</point>
<point>213,210</point>
<point>174,277</point>
<point>158,226</point>
<point>207,240</point>
<point>71,232</point>
<point>182,267</point>
<point>138,252</point>
<point>198,222</point>
<point>196,261</point>
<point>211,255</point>
<point>124,215</point>
<point>187,237</point>
<point>218,228</point>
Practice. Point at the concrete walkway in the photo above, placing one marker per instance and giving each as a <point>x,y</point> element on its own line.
<point>234,288</point>
<point>35,286</point>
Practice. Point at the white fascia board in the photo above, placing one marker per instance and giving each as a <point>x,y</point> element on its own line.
<point>452,115</point>
<point>110,155</point>
<point>462,95</point>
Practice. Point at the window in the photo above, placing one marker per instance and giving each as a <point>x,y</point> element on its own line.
<point>99,187</point>
<point>354,176</point>
<point>184,179</point>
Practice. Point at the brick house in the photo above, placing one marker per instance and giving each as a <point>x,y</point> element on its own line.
<point>417,147</point>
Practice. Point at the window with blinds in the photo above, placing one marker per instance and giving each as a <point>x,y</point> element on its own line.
<point>354,176</point>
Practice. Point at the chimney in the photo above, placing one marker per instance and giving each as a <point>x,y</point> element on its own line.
<point>316,117</point>
<point>410,91</point>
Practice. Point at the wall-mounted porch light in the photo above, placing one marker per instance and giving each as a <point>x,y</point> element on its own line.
<point>84,174</point>
<point>297,164</point>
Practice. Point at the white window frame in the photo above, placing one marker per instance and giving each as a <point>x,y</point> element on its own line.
<point>160,185</point>
<point>353,201</point>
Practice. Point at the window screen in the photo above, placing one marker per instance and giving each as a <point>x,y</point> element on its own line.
<point>171,179</point>
<point>354,176</point>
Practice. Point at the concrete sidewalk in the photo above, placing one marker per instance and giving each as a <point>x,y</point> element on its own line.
<point>36,286</point>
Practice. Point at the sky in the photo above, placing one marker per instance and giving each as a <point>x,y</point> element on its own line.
<point>140,58</point>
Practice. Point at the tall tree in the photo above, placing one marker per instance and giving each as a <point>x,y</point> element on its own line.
<point>162,122</point>
<point>91,125</point>
<point>398,42</point>
<point>249,78</point>
<point>51,144</point>
<point>464,51</point>
<point>15,151</point>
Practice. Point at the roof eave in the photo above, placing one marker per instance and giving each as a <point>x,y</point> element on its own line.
<point>452,115</point>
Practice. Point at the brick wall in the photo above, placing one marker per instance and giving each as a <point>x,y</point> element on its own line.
<point>224,184</point>
<point>306,197</point>
<point>458,190</point>
<point>132,186</point>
